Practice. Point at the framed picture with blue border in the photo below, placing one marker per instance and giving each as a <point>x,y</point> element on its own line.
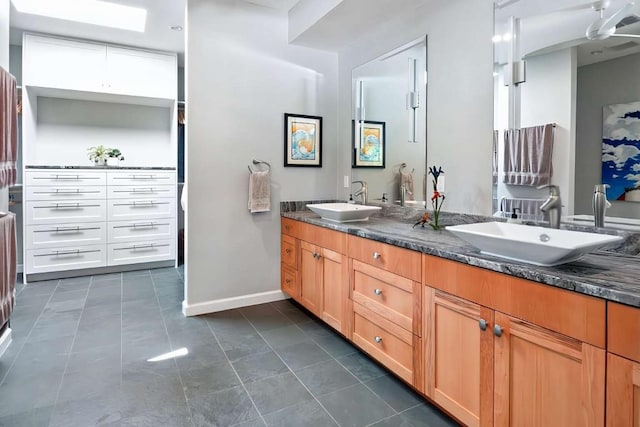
<point>369,144</point>
<point>302,140</point>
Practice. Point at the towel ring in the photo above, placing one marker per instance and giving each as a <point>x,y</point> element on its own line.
<point>258,162</point>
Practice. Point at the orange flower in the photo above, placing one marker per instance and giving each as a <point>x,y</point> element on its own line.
<point>435,196</point>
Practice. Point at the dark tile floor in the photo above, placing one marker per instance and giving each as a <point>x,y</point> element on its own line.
<point>83,349</point>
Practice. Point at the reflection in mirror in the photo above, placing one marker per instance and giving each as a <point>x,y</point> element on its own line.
<point>546,71</point>
<point>389,124</point>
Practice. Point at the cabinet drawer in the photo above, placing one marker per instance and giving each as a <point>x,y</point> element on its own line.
<point>135,231</point>
<point>289,282</point>
<point>324,237</point>
<point>288,252</point>
<point>391,258</point>
<point>140,191</point>
<point>65,192</point>
<point>393,297</point>
<point>140,209</point>
<point>141,178</point>
<point>69,258</point>
<point>131,253</point>
<point>385,341</point>
<point>52,236</point>
<point>623,330</point>
<point>43,212</point>
<point>289,226</point>
<point>58,178</point>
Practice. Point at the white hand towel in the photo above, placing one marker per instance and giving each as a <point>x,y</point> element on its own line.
<point>260,191</point>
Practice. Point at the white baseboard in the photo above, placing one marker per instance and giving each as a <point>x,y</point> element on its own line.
<point>5,341</point>
<point>230,303</point>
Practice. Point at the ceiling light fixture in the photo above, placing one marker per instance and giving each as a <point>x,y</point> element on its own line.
<point>95,12</point>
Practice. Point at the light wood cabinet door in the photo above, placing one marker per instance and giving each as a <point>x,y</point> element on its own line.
<point>335,290</point>
<point>543,378</point>
<point>623,392</point>
<point>311,277</point>
<point>459,357</point>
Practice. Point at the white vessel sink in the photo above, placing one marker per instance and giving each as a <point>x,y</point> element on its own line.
<point>533,245</point>
<point>343,212</point>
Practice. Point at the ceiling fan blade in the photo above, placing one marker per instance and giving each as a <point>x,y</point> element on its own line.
<point>635,36</point>
<point>611,22</point>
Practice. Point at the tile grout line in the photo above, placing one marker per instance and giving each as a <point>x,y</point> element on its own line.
<point>70,352</point>
<point>290,370</point>
<point>388,372</point>
<point>29,334</point>
<point>244,387</point>
<point>175,363</point>
<point>399,412</point>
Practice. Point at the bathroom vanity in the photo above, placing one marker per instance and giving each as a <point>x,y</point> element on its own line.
<point>490,341</point>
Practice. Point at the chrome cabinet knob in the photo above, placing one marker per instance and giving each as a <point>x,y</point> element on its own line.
<point>483,324</point>
<point>288,251</point>
<point>497,330</point>
<point>377,292</point>
<point>376,255</point>
<point>378,339</point>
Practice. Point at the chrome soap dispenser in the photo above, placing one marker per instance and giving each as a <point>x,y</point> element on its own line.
<point>600,204</point>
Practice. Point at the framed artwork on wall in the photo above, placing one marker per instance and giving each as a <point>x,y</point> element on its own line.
<point>369,144</point>
<point>302,140</point>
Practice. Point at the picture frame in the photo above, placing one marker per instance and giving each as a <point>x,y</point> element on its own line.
<point>302,140</point>
<point>369,144</point>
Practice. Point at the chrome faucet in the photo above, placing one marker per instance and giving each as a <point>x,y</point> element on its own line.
<point>362,191</point>
<point>403,195</point>
<point>553,205</point>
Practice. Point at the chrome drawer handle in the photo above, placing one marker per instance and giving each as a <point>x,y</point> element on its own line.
<point>377,292</point>
<point>376,255</point>
<point>378,339</point>
<point>142,225</point>
<point>71,252</point>
<point>288,251</point>
<point>65,206</point>
<point>317,255</point>
<point>497,330</point>
<point>483,324</point>
<point>288,281</point>
<point>135,247</point>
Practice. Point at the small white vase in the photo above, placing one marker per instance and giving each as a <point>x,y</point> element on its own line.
<point>113,161</point>
<point>100,162</point>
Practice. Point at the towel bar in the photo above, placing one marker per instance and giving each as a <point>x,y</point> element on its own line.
<point>257,162</point>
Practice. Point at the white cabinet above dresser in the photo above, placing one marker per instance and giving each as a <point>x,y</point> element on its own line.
<point>58,63</point>
<point>79,219</point>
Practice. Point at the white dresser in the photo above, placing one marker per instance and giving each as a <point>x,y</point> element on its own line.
<point>90,218</point>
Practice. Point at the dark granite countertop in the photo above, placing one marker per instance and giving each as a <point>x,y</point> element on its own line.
<point>103,167</point>
<point>614,276</point>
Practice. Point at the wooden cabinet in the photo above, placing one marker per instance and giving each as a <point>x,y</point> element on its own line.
<point>543,378</point>
<point>314,271</point>
<point>623,365</point>
<point>490,362</point>
<point>58,63</point>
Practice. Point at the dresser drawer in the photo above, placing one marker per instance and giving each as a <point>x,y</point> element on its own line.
<point>330,239</point>
<point>392,297</point>
<point>386,342</point>
<point>131,253</point>
<point>288,252</point>
<point>136,231</point>
<point>623,330</point>
<point>391,258</point>
<point>289,226</point>
<point>43,212</point>
<point>65,192</point>
<point>57,177</point>
<point>68,258</point>
<point>72,234</point>
<point>141,177</point>
<point>140,209</point>
<point>140,191</point>
<point>289,282</point>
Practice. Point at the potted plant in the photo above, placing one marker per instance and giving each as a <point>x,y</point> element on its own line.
<point>114,156</point>
<point>99,155</point>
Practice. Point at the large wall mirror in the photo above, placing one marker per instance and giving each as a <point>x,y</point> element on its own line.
<point>547,71</point>
<point>389,124</point>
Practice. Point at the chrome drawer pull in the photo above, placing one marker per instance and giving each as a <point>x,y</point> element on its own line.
<point>497,330</point>
<point>376,255</point>
<point>483,324</point>
<point>135,247</point>
<point>377,292</point>
<point>288,251</point>
<point>66,177</point>
<point>141,203</point>
<point>71,252</point>
<point>378,339</point>
<point>142,225</point>
<point>65,206</point>
<point>66,229</point>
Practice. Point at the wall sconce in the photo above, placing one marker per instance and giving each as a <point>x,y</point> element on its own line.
<point>413,100</point>
<point>360,113</point>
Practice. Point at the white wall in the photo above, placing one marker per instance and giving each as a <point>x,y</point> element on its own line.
<point>241,77</point>
<point>4,62</point>
<point>460,94</point>
<point>142,133</point>
<point>605,83</point>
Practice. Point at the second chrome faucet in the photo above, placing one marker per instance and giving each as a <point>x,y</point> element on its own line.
<point>362,191</point>
<point>553,205</point>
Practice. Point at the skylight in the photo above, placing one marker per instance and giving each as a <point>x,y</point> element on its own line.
<point>93,12</point>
